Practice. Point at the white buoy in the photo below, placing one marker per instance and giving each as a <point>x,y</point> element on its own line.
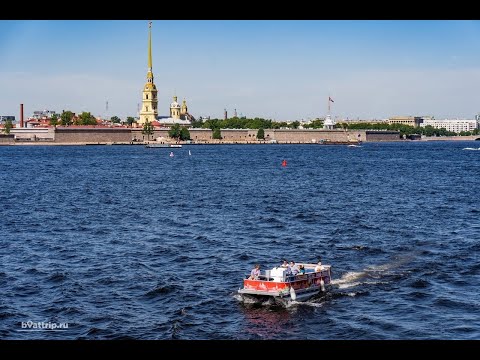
<point>293,295</point>
<point>322,284</point>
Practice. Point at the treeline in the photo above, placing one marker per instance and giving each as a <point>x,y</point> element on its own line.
<point>69,118</point>
<point>85,118</point>
<point>255,123</point>
<point>405,129</point>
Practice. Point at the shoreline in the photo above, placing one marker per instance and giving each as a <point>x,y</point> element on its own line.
<point>108,143</point>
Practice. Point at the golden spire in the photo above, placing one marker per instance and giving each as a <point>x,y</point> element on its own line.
<point>150,46</point>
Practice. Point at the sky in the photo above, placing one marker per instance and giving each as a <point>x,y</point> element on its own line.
<point>276,69</point>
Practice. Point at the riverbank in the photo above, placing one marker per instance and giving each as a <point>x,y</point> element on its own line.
<point>126,136</point>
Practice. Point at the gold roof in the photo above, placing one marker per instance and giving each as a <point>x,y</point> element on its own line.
<point>150,86</point>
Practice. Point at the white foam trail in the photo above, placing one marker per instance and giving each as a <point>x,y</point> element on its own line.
<point>349,277</point>
<point>309,303</point>
<point>383,267</point>
<point>238,297</point>
<point>354,278</point>
<point>348,285</point>
<point>376,282</point>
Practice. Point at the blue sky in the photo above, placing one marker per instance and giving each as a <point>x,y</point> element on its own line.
<point>281,70</point>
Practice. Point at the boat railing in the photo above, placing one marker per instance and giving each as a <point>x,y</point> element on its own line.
<point>310,275</point>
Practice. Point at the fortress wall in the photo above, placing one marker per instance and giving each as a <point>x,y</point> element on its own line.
<point>92,135</point>
<point>312,135</point>
<point>7,139</point>
<point>308,136</point>
<point>372,135</point>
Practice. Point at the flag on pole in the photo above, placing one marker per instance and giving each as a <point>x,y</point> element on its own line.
<point>330,99</point>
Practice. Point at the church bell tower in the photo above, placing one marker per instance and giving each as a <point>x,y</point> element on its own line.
<point>149,110</point>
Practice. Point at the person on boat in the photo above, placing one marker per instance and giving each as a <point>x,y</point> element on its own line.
<point>294,267</point>
<point>319,266</point>
<point>286,266</point>
<point>255,273</point>
<point>301,270</point>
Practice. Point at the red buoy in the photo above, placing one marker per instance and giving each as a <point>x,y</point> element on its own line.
<point>284,163</point>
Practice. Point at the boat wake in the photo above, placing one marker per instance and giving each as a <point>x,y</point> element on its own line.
<point>304,303</point>
<point>471,149</point>
<point>373,274</point>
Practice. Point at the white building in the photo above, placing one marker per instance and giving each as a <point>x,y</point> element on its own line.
<point>42,114</point>
<point>329,123</point>
<point>456,125</point>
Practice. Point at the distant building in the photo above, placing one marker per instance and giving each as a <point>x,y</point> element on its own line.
<point>178,112</point>
<point>42,114</point>
<point>4,118</point>
<point>362,121</point>
<point>455,125</point>
<point>406,120</point>
<point>329,123</point>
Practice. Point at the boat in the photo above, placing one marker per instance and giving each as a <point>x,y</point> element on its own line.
<point>163,145</point>
<point>330,142</point>
<point>275,287</point>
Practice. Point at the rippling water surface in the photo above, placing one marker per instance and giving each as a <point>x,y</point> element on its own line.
<point>126,242</point>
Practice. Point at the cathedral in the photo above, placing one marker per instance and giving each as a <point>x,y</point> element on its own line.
<point>149,112</point>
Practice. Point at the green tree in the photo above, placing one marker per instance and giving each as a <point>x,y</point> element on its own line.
<point>211,124</point>
<point>197,123</point>
<point>54,120</point>
<point>261,134</point>
<point>66,117</point>
<point>7,127</point>
<point>295,124</point>
<point>184,134</point>
<point>217,134</point>
<point>147,129</point>
<point>130,120</point>
<point>175,131</point>
<point>429,130</point>
<point>115,119</point>
<point>316,124</point>
<point>86,118</point>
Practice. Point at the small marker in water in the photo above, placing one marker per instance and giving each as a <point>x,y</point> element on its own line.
<point>171,154</point>
<point>284,163</point>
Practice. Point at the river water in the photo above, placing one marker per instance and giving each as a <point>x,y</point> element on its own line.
<point>122,242</point>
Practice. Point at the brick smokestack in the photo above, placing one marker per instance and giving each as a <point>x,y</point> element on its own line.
<point>21,115</point>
